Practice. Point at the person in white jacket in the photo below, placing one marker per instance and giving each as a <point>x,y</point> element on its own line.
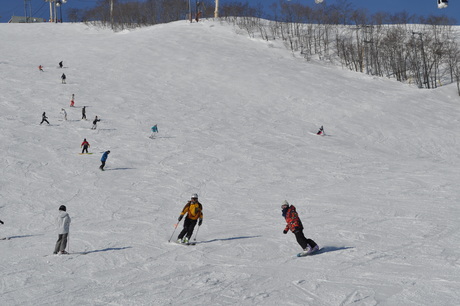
<point>63,225</point>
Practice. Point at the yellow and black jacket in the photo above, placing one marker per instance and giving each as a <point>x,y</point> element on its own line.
<point>193,210</point>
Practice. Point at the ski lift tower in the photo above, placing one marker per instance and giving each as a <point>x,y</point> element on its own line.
<point>52,17</point>
<point>27,10</point>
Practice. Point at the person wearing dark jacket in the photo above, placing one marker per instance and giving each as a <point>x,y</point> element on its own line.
<point>104,159</point>
<point>44,118</point>
<point>83,113</point>
<point>194,211</point>
<point>85,145</point>
<point>95,121</point>
<point>63,77</point>
<point>295,225</point>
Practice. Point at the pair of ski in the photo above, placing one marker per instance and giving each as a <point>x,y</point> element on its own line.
<point>66,254</point>
<point>186,243</point>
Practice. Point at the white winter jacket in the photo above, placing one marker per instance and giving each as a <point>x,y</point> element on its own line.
<point>63,222</point>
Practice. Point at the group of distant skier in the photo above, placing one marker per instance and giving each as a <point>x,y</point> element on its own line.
<point>72,103</point>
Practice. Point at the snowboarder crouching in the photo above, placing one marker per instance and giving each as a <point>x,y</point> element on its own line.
<point>320,131</point>
<point>194,211</point>
<point>63,225</point>
<point>295,225</point>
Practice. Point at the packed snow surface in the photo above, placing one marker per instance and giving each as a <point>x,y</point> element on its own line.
<point>237,119</point>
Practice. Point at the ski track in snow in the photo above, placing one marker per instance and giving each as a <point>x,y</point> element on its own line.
<point>236,118</point>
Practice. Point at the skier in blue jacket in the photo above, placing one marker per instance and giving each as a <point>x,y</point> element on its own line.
<point>103,159</point>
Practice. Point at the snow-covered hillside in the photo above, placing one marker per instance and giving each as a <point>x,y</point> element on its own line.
<point>236,119</point>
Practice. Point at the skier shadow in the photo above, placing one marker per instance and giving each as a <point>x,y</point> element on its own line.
<point>21,236</point>
<point>106,250</point>
<point>227,239</point>
<point>327,249</point>
<point>118,169</point>
<point>161,137</point>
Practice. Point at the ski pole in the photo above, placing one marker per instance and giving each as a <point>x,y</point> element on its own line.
<point>196,234</point>
<point>175,227</point>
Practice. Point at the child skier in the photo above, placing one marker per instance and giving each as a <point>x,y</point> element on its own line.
<point>72,101</point>
<point>104,159</point>
<point>295,225</point>
<point>193,209</point>
<point>83,113</point>
<point>44,118</point>
<point>40,68</point>
<point>85,145</point>
<point>63,77</point>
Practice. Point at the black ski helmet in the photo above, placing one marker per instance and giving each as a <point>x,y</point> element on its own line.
<point>62,207</point>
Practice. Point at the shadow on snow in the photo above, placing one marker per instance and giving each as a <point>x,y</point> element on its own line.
<point>20,236</point>
<point>227,239</point>
<point>104,250</point>
<point>327,249</point>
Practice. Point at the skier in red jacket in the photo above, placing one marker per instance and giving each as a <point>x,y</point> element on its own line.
<point>295,225</point>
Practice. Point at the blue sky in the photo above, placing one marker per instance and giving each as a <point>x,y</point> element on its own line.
<point>9,8</point>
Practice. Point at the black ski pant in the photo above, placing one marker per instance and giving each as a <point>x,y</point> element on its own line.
<point>44,120</point>
<point>189,226</point>
<point>85,148</point>
<point>61,244</point>
<point>102,165</point>
<point>302,241</point>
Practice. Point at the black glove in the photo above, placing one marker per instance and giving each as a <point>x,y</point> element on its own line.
<point>285,231</point>
<point>180,217</point>
<point>1,221</point>
<point>200,222</point>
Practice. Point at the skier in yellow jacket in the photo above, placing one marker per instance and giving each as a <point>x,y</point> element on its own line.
<point>193,209</point>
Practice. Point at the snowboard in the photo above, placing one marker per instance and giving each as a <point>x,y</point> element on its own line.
<point>304,254</point>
